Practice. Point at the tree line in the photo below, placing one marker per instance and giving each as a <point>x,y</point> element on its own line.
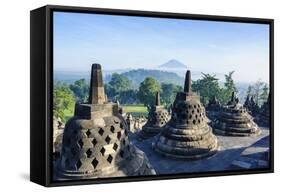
<point>121,88</point>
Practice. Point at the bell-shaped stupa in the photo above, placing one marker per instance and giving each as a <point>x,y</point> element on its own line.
<point>187,135</point>
<point>251,105</point>
<point>158,116</point>
<point>263,117</point>
<point>234,120</point>
<point>213,108</point>
<point>95,141</point>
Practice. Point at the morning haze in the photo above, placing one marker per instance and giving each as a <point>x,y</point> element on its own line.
<point>122,43</point>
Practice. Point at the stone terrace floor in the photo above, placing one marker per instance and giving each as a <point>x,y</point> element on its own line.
<point>234,153</point>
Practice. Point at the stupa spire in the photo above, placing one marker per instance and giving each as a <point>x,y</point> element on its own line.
<point>187,84</point>
<point>187,134</point>
<point>157,99</point>
<point>233,96</point>
<point>96,95</point>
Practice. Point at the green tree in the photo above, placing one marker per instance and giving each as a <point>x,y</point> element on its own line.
<point>129,97</point>
<point>207,87</point>
<point>80,89</point>
<point>168,93</point>
<point>147,90</point>
<point>249,90</point>
<point>229,87</point>
<point>260,92</point>
<point>118,84</point>
<point>264,94</point>
<point>63,101</point>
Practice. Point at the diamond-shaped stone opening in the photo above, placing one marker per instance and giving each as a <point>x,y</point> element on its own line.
<point>115,146</point>
<point>80,142</point>
<point>102,150</point>
<point>89,153</point>
<point>109,158</point>
<point>112,129</point>
<point>101,131</point>
<point>95,163</point>
<point>194,121</point>
<point>78,164</point>
<point>119,135</point>
<point>107,139</point>
<point>121,153</point>
<point>94,141</point>
<point>88,133</point>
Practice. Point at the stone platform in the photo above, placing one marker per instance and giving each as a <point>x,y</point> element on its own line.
<point>232,149</point>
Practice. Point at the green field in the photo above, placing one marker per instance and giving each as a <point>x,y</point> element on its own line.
<point>136,110</point>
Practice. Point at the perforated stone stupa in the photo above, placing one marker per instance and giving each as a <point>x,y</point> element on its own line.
<point>187,135</point>
<point>213,108</point>
<point>251,105</point>
<point>95,140</point>
<point>158,116</point>
<point>263,117</point>
<point>234,120</point>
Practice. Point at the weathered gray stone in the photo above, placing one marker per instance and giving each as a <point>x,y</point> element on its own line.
<point>263,118</point>
<point>234,120</point>
<point>95,141</point>
<point>158,116</point>
<point>251,105</point>
<point>213,108</point>
<point>187,135</point>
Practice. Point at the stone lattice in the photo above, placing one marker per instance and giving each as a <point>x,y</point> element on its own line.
<point>234,120</point>
<point>187,135</point>
<point>95,140</point>
<point>158,116</point>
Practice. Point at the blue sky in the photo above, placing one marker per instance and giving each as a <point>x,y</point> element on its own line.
<point>119,42</point>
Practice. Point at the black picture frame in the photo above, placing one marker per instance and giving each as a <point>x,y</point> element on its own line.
<point>41,83</point>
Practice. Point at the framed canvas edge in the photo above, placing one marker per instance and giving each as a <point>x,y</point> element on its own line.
<point>49,85</point>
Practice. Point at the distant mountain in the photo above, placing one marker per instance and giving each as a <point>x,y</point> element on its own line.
<point>173,63</point>
<point>137,76</point>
